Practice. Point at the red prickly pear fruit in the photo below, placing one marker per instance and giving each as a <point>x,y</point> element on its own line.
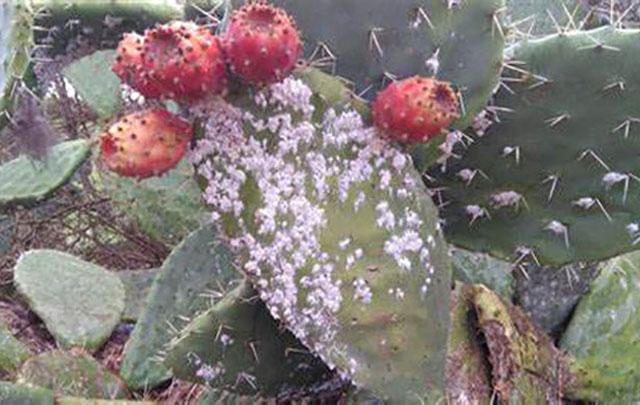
<point>179,60</point>
<point>186,60</point>
<point>145,144</point>
<point>416,109</point>
<point>262,44</point>
<point>128,58</point>
<point>128,66</point>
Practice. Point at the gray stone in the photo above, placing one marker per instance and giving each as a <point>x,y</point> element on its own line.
<point>548,295</point>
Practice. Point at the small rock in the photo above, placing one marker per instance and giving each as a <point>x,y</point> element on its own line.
<point>548,295</point>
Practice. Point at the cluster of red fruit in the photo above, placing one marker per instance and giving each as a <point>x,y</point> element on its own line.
<point>186,63</point>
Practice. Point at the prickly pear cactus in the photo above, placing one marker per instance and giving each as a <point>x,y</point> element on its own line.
<point>105,98</point>
<point>16,40</point>
<point>238,346</point>
<point>604,335</point>
<point>335,231</point>
<point>26,181</point>
<point>544,17</point>
<point>556,178</point>
<point>370,42</point>
<point>189,278</point>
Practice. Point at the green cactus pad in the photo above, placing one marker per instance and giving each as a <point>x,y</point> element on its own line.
<point>71,374</point>
<point>375,38</point>
<point>468,371</point>
<point>137,285</point>
<point>195,269</point>
<point>166,208</point>
<point>24,180</point>
<point>544,17</point>
<point>373,277</point>
<point>16,40</point>
<point>79,302</point>
<point>526,366</point>
<point>604,335</point>
<point>557,177</point>
<point>479,268</point>
<point>12,351</point>
<point>95,83</point>
<point>11,393</point>
<point>238,337</point>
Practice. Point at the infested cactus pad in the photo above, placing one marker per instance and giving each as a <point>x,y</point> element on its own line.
<point>557,177</point>
<point>335,232</point>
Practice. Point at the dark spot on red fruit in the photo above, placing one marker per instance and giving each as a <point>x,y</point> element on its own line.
<point>444,96</point>
<point>134,136</point>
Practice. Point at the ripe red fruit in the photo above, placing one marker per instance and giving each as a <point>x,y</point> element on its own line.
<point>416,109</point>
<point>147,143</point>
<point>178,60</point>
<point>128,66</point>
<point>262,43</point>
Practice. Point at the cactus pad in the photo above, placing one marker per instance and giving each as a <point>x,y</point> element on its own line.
<point>557,177</point>
<point>137,284</point>
<point>24,180</point>
<point>197,268</point>
<point>25,395</point>
<point>166,208</point>
<point>238,346</point>
<point>71,373</point>
<point>604,335</point>
<point>367,42</point>
<point>79,302</point>
<point>16,40</point>
<point>95,83</point>
<point>12,351</point>
<point>332,226</point>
